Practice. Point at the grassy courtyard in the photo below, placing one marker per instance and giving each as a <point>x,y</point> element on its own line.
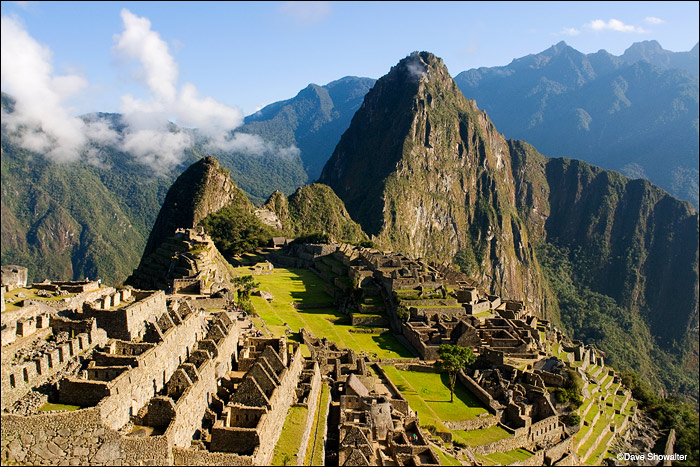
<point>429,395</point>
<point>301,288</point>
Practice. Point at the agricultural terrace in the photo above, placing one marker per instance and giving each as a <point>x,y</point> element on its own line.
<point>299,301</point>
<point>429,395</point>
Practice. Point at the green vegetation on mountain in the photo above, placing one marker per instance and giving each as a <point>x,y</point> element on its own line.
<point>70,221</point>
<point>637,113</point>
<point>670,412</point>
<point>237,230</point>
<point>315,209</point>
<point>424,172</point>
<point>621,261</point>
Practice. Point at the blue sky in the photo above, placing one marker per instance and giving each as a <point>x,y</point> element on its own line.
<point>249,54</point>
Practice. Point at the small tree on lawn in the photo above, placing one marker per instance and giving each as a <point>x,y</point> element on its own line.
<point>245,285</point>
<point>454,359</point>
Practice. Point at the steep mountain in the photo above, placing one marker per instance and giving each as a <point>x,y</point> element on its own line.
<point>637,113</point>
<point>313,120</point>
<point>203,189</point>
<point>314,208</point>
<point>621,259</point>
<point>425,172</point>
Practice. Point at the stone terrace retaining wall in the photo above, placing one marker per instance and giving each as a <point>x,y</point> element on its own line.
<point>192,404</point>
<point>311,414</point>
<point>479,393</point>
<point>75,438</point>
<point>132,389</point>
<point>18,379</point>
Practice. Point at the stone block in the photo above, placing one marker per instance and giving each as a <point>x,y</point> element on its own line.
<point>54,358</point>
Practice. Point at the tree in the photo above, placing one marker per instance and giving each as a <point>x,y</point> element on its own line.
<point>454,359</point>
<point>245,285</point>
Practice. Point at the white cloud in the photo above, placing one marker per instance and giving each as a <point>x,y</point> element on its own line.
<point>653,20</point>
<point>306,13</point>
<point>613,25</point>
<point>40,121</point>
<point>139,42</point>
<point>570,32</point>
<point>148,136</point>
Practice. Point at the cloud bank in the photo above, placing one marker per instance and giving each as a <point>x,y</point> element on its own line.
<point>614,25</point>
<point>42,123</point>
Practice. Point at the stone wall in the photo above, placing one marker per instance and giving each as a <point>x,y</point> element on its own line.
<point>313,401</point>
<point>559,450</point>
<point>129,322</point>
<point>193,403</point>
<point>477,423</point>
<point>133,389</point>
<point>188,456</point>
<point>76,438</point>
<point>19,378</point>
<point>485,398</point>
<point>13,276</point>
<point>371,320</point>
<point>281,400</point>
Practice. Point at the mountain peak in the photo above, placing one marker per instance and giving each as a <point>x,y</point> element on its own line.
<point>202,189</point>
<point>420,65</point>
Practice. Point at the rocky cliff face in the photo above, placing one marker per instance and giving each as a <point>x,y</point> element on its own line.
<point>426,173</point>
<point>202,189</point>
<point>638,243</point>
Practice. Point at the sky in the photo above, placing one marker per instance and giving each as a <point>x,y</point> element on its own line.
<point>211,63</point>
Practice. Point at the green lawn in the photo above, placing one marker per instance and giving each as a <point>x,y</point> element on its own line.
<point>475,438</point>
<point>429,395</point>
<point>30,294</point>
<point>445,459</point>
<point>510,457</point>
<point>67,408</point>
<point>314,451</point>
<point>290,438</point>
<point>302,287</point>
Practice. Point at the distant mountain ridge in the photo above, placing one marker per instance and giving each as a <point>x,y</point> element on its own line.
<point>637,113</point>
<point>313,120</point>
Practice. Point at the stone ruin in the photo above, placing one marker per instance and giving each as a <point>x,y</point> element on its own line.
<point>377,430</point>
<point>187,263</point>
<point>13,277</point>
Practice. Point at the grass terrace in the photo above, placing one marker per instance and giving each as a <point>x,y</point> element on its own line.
<point>428,394</point>
<point>55,407</point>
<point>296,294</point>
<point>445,459</point>
<point>11,297</point>
<point>507,458</point>
<point>475,438</point>
<point>290,438</point>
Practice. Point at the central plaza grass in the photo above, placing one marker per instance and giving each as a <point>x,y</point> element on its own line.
<point>510,457</point>
<point>302,288</point>
<point>429,395</point>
